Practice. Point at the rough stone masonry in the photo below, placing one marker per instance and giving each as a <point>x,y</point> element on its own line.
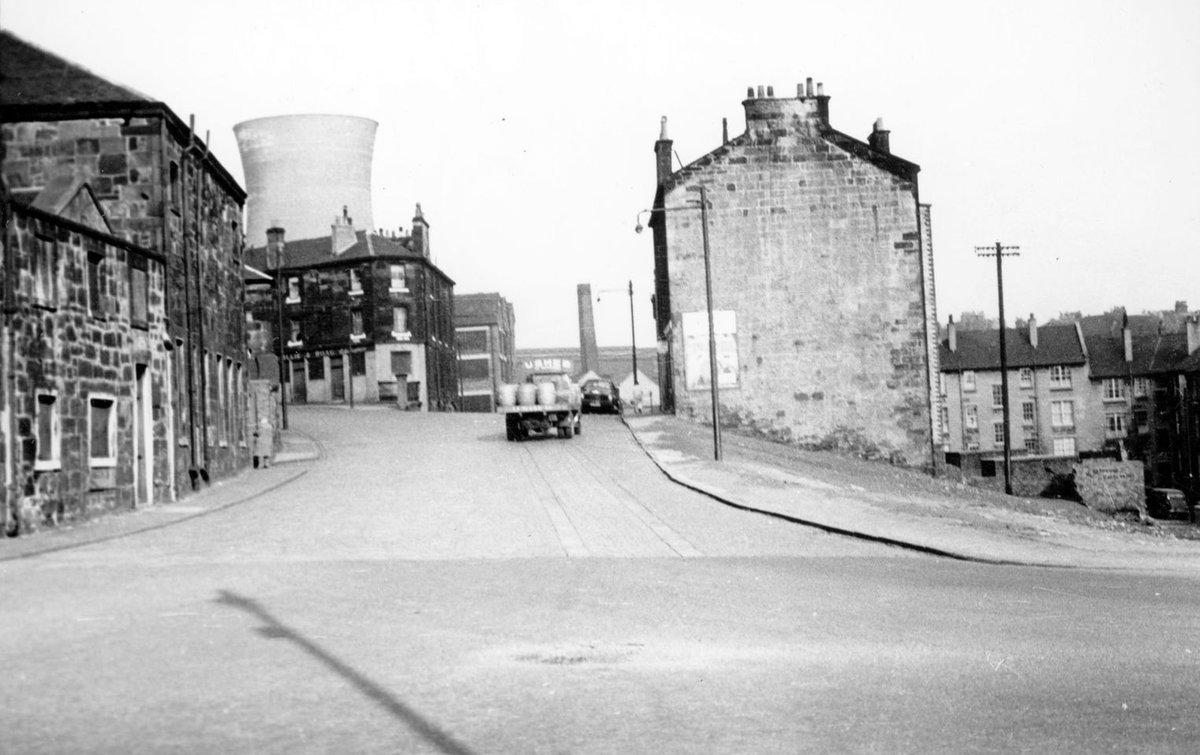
<point>816,245</point>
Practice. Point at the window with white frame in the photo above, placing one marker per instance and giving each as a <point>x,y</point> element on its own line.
<point>49,436</point>
<point>355,282</point>
<point>139,296</point>
<point>1141,387</point>
<point>997,395</point>
<point>293,292</point>
<point>998,432</point>
<point>399,319</point>
<point>1141,420</point>
<point>399,281</point>
<point>1064,446</point>
<point>102,430</point>
<point>968,380</point>
<point>971,417</point>
<point>1028,413</point>
<point>294,338</point>
<point>1115,424</point>
<point>1114,389</point>
<point>945,418</point>
<point>1032,445</point>
<point>1060,376</point>
<point>356,323</point>
<point>1062,414</point>
<point>95,281</point>
<point>1026,377</point>
<point>44,272</point>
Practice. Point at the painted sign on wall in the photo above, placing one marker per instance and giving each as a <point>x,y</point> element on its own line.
<point>695,349</point>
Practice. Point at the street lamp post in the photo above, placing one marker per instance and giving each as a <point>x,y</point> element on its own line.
<point>708,298</point>
<point>279,334</point>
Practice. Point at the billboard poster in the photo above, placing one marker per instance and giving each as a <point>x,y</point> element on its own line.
<point>695,349</point>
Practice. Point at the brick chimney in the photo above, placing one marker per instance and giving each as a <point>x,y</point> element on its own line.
<point>1193,333</point>
<point>952,335</point>
<point>879,138</point>
<point>1033,334</point>
<point>342,235</point>
<point>662,154</point>
<point>589,353</point>
<point>275,248</point>
<point>420,233</point>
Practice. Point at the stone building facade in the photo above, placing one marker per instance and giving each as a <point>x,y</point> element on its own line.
<point>820,285</point>
<point>484,327</point>
<point>159,189</point>
<point>366,316</point>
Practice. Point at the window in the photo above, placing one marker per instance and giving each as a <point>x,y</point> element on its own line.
<point>972,417</point>
<point>1141,387</point>
<point>102,430</point>
<point>944,415</point>
<point>1115,425</point>
<point>1141,419</point>
<point>316,368</point>
<point>356,322</point>
<point>294,330</point>
<point>1060,376</point>
<point>399,320</point>
<point>173,188</point>
<point>1028,416</point>
<point>139,296</point>
<point>355,282</point>
<point>1026,377</point>
<point>1064,446</point>
<point>998,432</point>
<point>293,292</point>
<point>1032,445</point>
<point>358,363</point>
<point>44,273</point>
<point>1062,414</point>
<point>997,395</point>
<point>95,283</point>
<point>399,282</point>
<point>1114,389</point>
<point>48,433</point>
<point>968,380</point>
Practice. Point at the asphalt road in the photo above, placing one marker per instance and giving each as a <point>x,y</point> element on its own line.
<point>429,587</point>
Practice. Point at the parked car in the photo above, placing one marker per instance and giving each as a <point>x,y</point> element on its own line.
<point>601,396</point>
<point>1166,503</point>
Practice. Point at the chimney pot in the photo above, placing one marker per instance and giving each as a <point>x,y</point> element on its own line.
<point>749,93</point>
<point>770,91</point>
<point>952,335</point>
<point>1193,333</point>
<point>809,85</point>
<point>800,91</point>
<point>760,91</point>
<point>820,89</point>
<point>662,134</point>
<point>1033,332</point>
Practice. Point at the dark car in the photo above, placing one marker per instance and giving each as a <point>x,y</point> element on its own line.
<point>600,396</point>
<point>1166,503</point>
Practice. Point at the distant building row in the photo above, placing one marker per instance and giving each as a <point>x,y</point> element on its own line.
<point>1123,386</point>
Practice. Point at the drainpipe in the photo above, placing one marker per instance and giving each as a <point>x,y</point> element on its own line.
<point>187,307</point>
<point>204,472</point>
<point>6,366</point>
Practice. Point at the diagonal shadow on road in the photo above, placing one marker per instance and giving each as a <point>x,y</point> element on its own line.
<point>275,629</point>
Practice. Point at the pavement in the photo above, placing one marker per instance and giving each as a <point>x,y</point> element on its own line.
<point>877,502</point>
<point>867,500</point>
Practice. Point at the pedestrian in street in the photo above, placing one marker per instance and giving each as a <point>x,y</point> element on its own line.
<point>264,442</point>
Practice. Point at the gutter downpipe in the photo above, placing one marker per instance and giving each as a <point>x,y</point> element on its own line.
<point>204,472</point>
<point>6,352</point>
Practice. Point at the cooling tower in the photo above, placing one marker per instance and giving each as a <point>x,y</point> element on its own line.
<point>301,170</point>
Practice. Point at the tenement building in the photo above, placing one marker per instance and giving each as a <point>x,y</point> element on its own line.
<point>366,316</point>
<point>818,251</point>
<point>123,334</point>
<point>483,329</point>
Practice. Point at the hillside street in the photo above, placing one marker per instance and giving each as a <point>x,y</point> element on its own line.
<point>413,582</point>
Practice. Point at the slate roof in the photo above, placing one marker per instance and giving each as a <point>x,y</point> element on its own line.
<point>980,349</point>
<point>1152,354</point>
<point>33,76</point>
<point>318,252</point>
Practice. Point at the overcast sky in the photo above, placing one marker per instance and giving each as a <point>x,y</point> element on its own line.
<point>526,129</point>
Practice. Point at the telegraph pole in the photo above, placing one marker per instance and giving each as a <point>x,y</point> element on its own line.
<point>1000,252</point>
<point>633,333</point>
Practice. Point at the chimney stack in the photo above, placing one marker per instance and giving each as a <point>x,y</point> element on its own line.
<point>342,235</point>
<point>952,335</point>
<point>662,154</point>
<point>1033,334</point>
<point>1127,338</point>
<point>420,233</point>
<point>589,353</point>
<point>275,247</point>
<point>1193,333</point>
<point>879,139</point>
